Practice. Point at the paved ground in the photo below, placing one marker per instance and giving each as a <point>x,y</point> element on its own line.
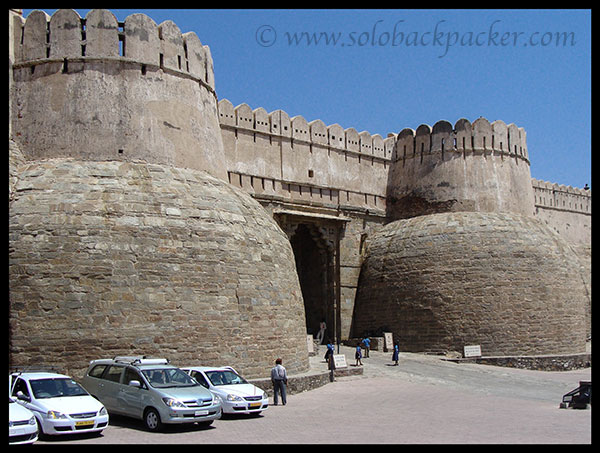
<point>424,400</point>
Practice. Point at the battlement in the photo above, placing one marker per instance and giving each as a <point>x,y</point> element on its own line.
<point>66,36</point>
<point>304,162</point>
<point>479,166</point>
<point>100,89</point>
<point>481,136</point>
<point>299,130</point>
<point>561,197</point>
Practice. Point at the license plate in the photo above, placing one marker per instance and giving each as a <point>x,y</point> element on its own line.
<point>254,405</point>
<point>86,423</point>
<point>198,413</point>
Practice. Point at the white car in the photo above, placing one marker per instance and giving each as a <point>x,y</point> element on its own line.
<point>238,396</point>
<point>22,427</point>
<point>59,404</point>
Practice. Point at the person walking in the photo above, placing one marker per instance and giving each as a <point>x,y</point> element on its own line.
<point>358,355</point>
<point>331,366</point>
<point>330,351</point>
<point>279,380</point>
<point>395,355</point>
<point>367,346</point>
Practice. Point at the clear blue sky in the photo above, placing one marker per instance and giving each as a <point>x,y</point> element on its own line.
<point>384,70</point>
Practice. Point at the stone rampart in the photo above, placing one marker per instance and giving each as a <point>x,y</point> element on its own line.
<point>115,225</point>
<point>504,281</point>
<point>479,166</point>
<point>271,154</point>
<point>129,91</point>
<point>566,209</point>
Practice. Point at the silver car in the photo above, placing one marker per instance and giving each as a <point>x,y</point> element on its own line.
<point>151,390</point>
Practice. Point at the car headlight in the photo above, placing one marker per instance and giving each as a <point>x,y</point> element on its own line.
<point>102,411</point>
<point>231,397</point>
<point>173,403</point>
<point>32,420</point>
<point>55,415</point>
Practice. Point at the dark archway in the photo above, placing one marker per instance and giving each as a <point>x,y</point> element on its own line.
<point>314,264</point>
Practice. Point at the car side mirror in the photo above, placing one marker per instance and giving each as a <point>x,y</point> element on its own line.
<point>23,397</point>
<point>135,384</point>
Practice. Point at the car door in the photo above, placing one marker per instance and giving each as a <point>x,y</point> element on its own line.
<point>109,386</point>
<point>27,400</point>
<point>132,398</point>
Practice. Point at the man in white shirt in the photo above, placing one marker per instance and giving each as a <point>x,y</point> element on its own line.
<point>279,380</point>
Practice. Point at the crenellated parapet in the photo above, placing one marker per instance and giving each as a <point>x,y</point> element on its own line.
<point>464,137</point>
<point>279,123</point>
<point>66,36</point>
<point>560,197</point>
<point>471,166</point>
<point>95,88</point>
<point>307,162</point>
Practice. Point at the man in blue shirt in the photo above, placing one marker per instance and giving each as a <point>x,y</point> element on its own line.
<point>367,345</point>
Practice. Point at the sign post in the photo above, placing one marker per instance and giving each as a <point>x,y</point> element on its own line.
<point>339,360</point>
<point>472,351</point>
<point>388,341</point>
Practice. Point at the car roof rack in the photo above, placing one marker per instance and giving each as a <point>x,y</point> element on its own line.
<point>36,369</point>
<point>141,360</point>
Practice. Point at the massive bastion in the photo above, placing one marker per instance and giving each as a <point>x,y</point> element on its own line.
<point>124,236</point>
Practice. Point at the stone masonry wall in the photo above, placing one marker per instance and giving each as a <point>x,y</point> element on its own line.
<point>503,281</point>
<point>97,89</point>
<point>118,258</point>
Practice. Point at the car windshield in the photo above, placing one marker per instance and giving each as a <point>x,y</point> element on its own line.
<point>168,377</point>
<point>52,388</point>
<point>225,377</point>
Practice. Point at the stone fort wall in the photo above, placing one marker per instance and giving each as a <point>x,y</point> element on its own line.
<point>155,85</point>
<point>476,167</point>
<point>105,90</point>
<point>479,166</point>
<point>137,92</point>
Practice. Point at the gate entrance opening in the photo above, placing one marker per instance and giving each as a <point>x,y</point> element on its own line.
<point>315,240</point>
<point>314,264</point>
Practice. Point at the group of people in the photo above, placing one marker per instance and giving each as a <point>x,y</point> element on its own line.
<point>279,373</point>
<point>366,345</point>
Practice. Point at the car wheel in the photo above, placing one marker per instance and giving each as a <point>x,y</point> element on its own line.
<point>152,419</point>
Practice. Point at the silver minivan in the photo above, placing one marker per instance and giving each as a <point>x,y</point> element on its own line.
<point>151,390</point>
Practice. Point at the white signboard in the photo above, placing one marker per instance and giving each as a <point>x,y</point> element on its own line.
<point>310,344</point>
<point>339,360</point>
<point>389,342</point>
<point>472,351</point>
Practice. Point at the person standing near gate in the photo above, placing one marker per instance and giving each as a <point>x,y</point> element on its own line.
<point>395,355</point>
<point>279,380</point>
<point>321,334</point>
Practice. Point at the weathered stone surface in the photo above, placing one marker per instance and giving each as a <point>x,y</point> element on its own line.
<point>112,258</point>
<point>503,281</point>
<point>120,243</point>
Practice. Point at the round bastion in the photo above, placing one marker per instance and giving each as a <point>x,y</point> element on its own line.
<point>119,258</point>
<point>442,281</point>
<point>125,236</point>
